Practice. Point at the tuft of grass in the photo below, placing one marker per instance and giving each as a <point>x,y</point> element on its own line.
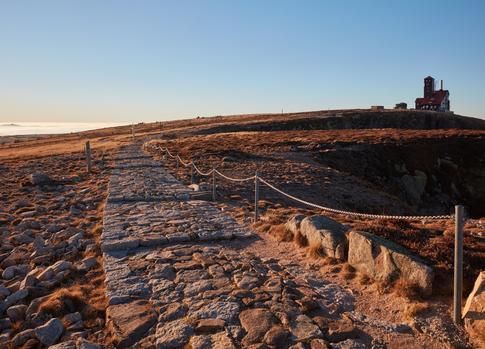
<point>407,289</point>
<point>348,271</point>
<point>363,279</point>
<point>63,301</point>
<point>414,309</point>
<point>280,232</point>
<point>329,261</point>
<point>300,240</point>
<point>315,251</point>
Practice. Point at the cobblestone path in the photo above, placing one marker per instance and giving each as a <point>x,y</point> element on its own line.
<point>172,282</point>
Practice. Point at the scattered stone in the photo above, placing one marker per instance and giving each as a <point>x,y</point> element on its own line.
<point>49,333</point>
<point>17,312</point>
<point>39,178</point>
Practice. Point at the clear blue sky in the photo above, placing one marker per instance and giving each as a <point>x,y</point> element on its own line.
<point>123,61</point>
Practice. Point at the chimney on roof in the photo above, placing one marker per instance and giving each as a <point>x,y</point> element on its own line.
<point>441,85</point>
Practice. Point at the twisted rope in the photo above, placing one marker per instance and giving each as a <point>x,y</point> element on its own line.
<point>310,204</point>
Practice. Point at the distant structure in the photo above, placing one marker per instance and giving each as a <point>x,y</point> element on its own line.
<point>377,107</point>
<point>401,105</point>
<point>433,100</point>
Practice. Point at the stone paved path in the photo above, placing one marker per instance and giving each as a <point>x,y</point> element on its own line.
<point>171,282</point>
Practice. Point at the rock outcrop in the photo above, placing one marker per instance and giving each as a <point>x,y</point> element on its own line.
<point>327,233</point>
<point>384,260</point>
<point>474,311</point>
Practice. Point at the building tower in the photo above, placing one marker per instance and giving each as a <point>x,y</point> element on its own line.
<point>428,87</point>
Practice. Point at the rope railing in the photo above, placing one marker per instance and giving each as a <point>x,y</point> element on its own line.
<point>258,179</point>
<point>459,218</point>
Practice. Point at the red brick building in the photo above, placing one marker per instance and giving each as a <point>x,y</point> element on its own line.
<point>437,100</point>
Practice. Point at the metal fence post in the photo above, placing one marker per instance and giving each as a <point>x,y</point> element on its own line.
<point>458,277</point>
<point>88,156</point>
<point>164,155</point>
<point>256,196</point>
<point>213,184</point>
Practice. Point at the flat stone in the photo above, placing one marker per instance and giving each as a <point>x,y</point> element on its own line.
<point>227,311</point>
<point>205,326</point>
<point>277,337</point>
<point>172,312</point>
<point>256,322</point>
<point>174,334</point>
<point>303,329</point>
<point>129,322</point>
<point>341,330</point>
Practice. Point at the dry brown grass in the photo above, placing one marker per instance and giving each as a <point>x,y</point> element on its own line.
<point>64,301</point>
<point>315,251</point>
<point>348,272</point>
<point>280,232</point>
<point>363,279</point>
<point>414,309</point>
<point>300,240</point>
<point>407,289</point>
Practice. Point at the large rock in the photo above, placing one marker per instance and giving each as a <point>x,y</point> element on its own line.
<point>474,311</point>
<point>384,260</point>
<point>50,332</point>
<point>129,322</point>
<point>293,224</point>
<point>326,233</point>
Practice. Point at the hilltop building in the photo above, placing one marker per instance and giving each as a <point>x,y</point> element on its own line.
<point>401,106</point>
<point>433,100</point>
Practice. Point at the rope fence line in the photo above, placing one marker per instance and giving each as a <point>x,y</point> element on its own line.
<point>258,179</point>
<point>459,219</point>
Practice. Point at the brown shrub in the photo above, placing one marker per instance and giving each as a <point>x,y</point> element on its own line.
<point>363,279</point>
<point>63,301</point>
<point>281,233</point>
<point>300,240</point>
<point>405,288</point>
<point>414,309</point>
<point>348,271</point>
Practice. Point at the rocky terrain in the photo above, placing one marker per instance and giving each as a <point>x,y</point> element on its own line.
<point>147,261</point>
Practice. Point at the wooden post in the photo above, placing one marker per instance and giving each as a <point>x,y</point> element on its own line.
<point>88,156</point>
<point>213,184</point>
<point>191,173</point>
<point>256,196</point>
<point>177,166</point>
<point>458,277</point>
